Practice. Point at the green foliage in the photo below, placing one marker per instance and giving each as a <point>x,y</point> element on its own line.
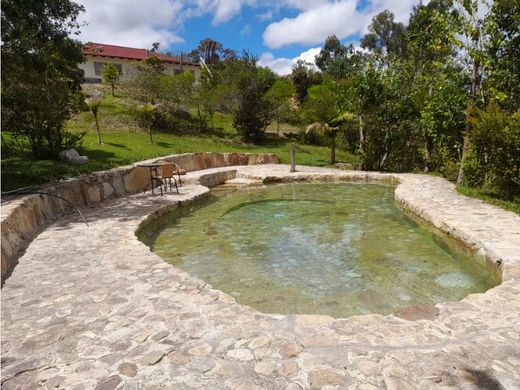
<point>93,103</point>
<point>111,76</point>
<point>146,115</point>
<point>303,77</point>
<point>494,161</point>
<point>253,109</point>
<point>385,37</point>
<point>503,53</point>
<point>324,107</point>
<point>280,97</point>
<point>40,74</point>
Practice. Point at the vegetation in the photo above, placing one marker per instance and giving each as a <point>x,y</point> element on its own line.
<point>125,142</point>
<point>432,96</point>
<point>111,76</point>
<point>40,75</point>
<point>440,94</point>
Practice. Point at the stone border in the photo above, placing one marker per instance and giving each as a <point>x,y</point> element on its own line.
<point>92,307</point>
<point>23,217</point>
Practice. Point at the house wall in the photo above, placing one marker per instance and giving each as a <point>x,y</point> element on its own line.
<point>129,67</point>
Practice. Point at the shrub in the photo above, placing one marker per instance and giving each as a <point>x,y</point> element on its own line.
<point>494,159</point>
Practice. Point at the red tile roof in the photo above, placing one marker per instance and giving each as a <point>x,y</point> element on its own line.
<point>113,51</point>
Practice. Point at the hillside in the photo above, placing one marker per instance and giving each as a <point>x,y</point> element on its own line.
<point>124,142</point>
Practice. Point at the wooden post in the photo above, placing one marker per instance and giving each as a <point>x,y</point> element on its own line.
<point>293,160</point>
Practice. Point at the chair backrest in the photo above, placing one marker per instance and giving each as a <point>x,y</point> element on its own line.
<point>167,169</point>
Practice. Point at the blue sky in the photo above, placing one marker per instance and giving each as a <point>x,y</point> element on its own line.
<point>279,31</point>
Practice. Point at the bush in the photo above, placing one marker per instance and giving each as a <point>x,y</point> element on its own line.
<point>494,156</point>
<point>40,75</point>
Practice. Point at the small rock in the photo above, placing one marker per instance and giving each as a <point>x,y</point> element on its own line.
<point>289,349</point>
<point>160,335</point>
<point>417,312</point>
<point>144,335</point>
<point>260,341</point>
<point>128,369</point>
<point>320,378</point>
<point>63,312</point>
<point>200,350</point>
<point>369,368</point>
<point>152,358</point>
<point>467,377</point>
<point>178,358</point>
<point>241,354</point>
<point>396,384</point>
<point>264,368</point>
<point>109,383</point>
<point>288,368</point>
<point>72,156</point>
<point>203,364</point>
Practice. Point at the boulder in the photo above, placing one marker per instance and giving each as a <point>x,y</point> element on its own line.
<point>72,156</point>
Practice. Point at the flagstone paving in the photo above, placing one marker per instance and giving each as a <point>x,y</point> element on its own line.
<point>91,307</point>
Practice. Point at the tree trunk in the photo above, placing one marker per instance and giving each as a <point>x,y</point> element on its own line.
<point>113,88</point>
<point>361,133</point>
<point>333,149</point>
<point>466,139</point>
<point>98,131</point>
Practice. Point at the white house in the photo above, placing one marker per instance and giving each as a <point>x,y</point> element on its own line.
<point>126,60</point>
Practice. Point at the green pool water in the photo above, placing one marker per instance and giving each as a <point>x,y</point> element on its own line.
<point>334,249</point>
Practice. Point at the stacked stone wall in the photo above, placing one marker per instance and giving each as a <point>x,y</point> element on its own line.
<point>23,217</point>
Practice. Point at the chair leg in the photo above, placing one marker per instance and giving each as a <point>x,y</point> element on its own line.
<point>176,186</point>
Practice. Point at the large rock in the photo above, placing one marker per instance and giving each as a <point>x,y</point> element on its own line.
<point>72,156</point>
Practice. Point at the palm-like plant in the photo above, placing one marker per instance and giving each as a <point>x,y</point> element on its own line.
<point>323,108</point>
<point>94,102</point>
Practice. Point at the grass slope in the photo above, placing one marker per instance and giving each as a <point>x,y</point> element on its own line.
<point>125,143</point>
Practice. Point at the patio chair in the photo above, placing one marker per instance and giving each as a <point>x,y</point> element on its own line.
<point>164,176</point>
<point>179,172</point>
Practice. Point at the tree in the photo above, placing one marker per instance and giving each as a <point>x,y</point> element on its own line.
<point>280,95</point>
<point>303,76</point>
<point>503,54</point>
<point>324,108</point>
<point>471,42</point>
<point>211,51</point>
<point>93,103</point>
<point>111,76</point>
<point>332,50</point>
<point>40,74</point>
<point>146,113</point>
<point>386,38</point>
<point>253,109</point>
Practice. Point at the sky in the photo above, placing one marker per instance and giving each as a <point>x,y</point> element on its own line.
<point>279,32</point>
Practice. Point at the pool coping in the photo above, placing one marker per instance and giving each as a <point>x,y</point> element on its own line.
<point>211,335</point>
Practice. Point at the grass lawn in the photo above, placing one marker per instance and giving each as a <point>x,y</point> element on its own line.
<point>124,143</point>
<point>491,198</point>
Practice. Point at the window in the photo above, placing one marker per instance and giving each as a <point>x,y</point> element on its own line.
<point>98,68</point>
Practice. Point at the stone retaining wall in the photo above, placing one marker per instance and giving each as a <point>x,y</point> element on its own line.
<point>23,217</point>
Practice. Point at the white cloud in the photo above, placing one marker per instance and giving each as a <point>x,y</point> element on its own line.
<point>283,66</point>
<point>314,25</point>
<point>319,19</point>
<point>131,23</point>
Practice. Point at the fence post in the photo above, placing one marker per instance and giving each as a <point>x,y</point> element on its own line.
<point>293,160</point>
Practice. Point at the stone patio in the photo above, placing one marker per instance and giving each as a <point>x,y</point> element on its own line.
<point>93,308</point>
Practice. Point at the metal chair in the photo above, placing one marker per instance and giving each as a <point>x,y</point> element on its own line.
<point>164,175</point>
